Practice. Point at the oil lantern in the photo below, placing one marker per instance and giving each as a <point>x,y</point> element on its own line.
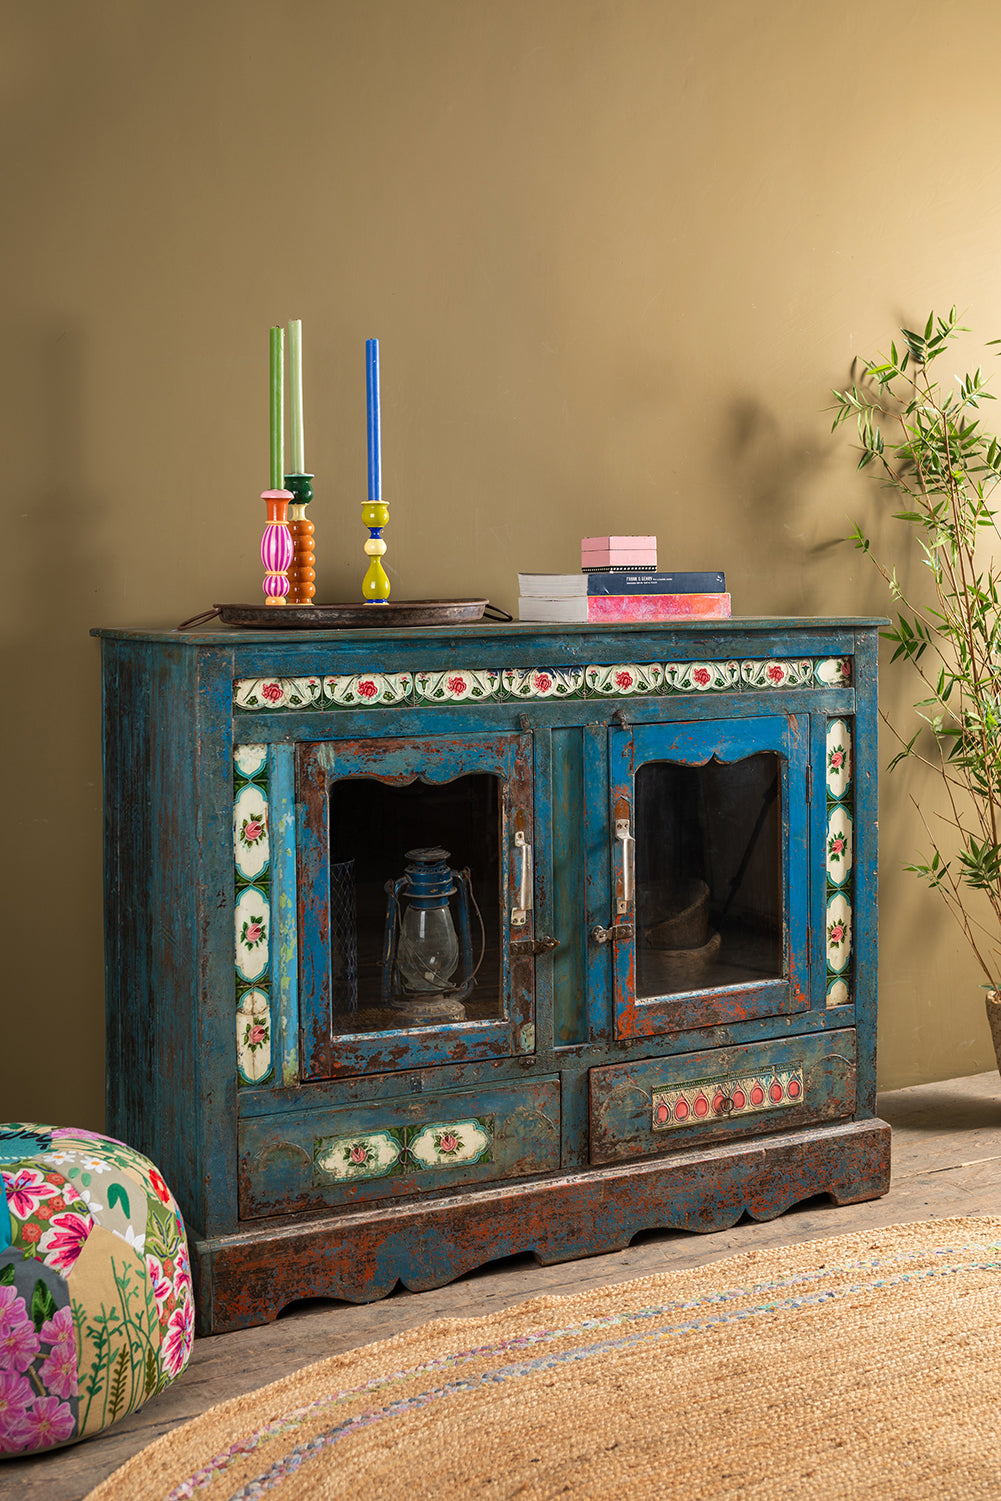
<point>427,966</point>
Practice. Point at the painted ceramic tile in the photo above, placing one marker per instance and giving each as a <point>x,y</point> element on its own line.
<point>458,686</point>
<point>276,693</point>
<point>723,1098</point>
<point>369,690</point>
<point>250,832</point>
<point>772,673</point>
<point>624,679</point>
<point>838,994</point>
<point>253,1036</point>
<point>839,934</point>
<point>544,682</point>
<point>702,677</point>
<point>450,1142</point>
<point>839,758</point>
<point>833,672</point>
<point>250,760</point>
<point>839,844</point>
<point>372,1154</point>
<point>253,922</point>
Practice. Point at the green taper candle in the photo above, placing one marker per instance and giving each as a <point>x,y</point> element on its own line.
<point>277,407</point>
<point>297,442</point>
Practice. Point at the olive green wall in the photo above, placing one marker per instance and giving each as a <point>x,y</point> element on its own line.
<point>617,253</point>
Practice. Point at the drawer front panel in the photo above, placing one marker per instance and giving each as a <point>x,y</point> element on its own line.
<point>355,1153</point>
<point>661,1104</point>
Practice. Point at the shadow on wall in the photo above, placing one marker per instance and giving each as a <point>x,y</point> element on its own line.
<point>771,475</point>
<point>782,483</point>
<point>57,573</point>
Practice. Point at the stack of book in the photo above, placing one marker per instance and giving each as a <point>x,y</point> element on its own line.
<point>619,593</point>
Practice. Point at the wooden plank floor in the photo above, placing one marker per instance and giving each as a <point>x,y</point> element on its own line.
<point>946,1161</point>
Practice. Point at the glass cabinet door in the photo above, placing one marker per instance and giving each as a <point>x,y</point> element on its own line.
<point>415,902</point>
<point>710,878</point>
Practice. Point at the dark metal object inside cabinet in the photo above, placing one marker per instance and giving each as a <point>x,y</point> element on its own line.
<point>654,1003</point>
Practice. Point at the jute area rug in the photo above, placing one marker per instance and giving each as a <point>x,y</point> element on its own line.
<point>864,1366</point>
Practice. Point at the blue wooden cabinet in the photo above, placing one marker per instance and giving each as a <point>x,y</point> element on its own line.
<point>641,994</point>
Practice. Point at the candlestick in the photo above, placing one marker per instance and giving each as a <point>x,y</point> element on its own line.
<point>374,419</point>
<point>297,436</point>
<point>277,406</point>
<point>276,546</point>
<point>302,569</point>
<point>375,515</point>
<point>375,584</point>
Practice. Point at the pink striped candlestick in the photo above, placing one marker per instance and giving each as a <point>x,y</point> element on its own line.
<point>276,546</point>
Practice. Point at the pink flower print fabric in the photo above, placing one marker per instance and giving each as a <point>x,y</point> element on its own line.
<point>96,1304</point>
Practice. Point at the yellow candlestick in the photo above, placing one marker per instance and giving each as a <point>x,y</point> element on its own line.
<point>375,584</point>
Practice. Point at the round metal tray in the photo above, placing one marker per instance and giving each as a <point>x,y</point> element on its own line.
<point>367,616</point>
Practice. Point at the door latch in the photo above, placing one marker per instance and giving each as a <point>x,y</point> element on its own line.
<point>613,934</point>
<point>541,945</point>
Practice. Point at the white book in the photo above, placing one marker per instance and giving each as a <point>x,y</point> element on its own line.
<point>552,585</point>
<point>534,607</point>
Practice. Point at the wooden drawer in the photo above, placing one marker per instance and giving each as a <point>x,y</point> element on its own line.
<point>660,1104</point>
<point>311,1159</point>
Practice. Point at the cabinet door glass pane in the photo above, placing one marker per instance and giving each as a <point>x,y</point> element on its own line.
<point>709,882</point>
<point>374,827</point>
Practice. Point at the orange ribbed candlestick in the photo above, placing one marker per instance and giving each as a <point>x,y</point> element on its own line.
<point>302,569</point>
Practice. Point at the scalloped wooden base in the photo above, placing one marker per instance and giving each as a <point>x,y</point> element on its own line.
<point>359,1256</point>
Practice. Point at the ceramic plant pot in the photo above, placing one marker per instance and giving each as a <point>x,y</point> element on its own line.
<point>994,1017</point>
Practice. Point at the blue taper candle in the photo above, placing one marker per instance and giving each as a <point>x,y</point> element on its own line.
<point>374,421</point>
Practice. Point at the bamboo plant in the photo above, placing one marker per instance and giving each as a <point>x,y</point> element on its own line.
<point>929,444</point>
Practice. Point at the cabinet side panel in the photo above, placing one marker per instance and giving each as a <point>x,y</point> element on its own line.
<point>866,828</point>
<point>130,1048</point>
<point>163,1041</point>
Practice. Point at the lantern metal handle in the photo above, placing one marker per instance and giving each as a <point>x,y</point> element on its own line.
<point>519,914</point>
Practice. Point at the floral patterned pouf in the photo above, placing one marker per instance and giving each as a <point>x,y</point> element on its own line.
<point>96,1308</point>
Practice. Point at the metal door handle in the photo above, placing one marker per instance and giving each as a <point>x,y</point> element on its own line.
<point>519,914</point>
<point>623,834</point>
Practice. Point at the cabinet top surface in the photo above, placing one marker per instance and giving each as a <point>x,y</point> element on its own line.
<point>513,631</point>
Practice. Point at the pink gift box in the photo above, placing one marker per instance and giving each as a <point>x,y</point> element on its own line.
<point>621,552</point>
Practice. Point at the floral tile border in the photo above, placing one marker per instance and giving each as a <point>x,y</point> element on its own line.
<point>543,682</point>
<point>252,913</point>
<point>458,685</point>
<point>255,694</point>
<point>839,862</point>
<point>399,1151</point>
<point>773,672</point>
<point>702,677</point>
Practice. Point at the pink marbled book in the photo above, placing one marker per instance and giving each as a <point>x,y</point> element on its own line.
<point>624,608</point>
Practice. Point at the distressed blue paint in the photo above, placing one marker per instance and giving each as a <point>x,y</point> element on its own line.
<point>597,876</point>
<point>866,814</point>
<point>569,917</point>
<point>694,744</point>
<point>278,1173</point>
<point>170,726</point>
<point>621,1115</point>
<point>284,924</point>
<point>545,819</point>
